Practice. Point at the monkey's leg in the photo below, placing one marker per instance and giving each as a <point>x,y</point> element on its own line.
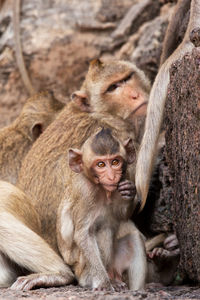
<point>8,273</point>
<point>131,256</point>
<point>28,250</point>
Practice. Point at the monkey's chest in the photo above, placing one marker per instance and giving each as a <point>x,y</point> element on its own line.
<point>104,221</point>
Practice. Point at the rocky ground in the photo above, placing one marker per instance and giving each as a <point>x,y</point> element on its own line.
<point>76,293</point>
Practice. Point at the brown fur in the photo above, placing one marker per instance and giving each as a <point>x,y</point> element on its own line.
<point>48,159</point>
<point>22,251</point>
<point>16,139</point>
<point>101,76</point>
<point>88,222</point>
<point>45,174</point>
<point>104,143</point>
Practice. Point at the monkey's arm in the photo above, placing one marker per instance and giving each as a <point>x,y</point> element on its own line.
<point>155,110</point>
<point>126,205</point>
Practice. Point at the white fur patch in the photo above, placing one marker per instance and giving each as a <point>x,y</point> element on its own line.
<point>67,226</point>
<point>7,274</point>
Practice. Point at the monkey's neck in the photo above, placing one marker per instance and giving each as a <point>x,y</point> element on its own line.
<point>108,197</point>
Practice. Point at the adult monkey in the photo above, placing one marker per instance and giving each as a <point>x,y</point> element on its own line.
<point>17,138</point>
<point>147,153</point>
<point>45,172</point>
<point>45,175</point>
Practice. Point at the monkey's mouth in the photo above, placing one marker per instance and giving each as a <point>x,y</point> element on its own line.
<point>138,108</point>
<point>110,187</point>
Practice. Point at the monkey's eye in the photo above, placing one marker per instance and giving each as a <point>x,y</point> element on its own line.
<point>115,162</point>
<point>112,87</point>
<point>101,164</point>
<point>128,77</point>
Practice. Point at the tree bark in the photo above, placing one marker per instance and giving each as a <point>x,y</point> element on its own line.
<point>182,124</point>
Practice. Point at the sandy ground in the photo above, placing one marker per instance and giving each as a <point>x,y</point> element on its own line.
<point>76,293</point>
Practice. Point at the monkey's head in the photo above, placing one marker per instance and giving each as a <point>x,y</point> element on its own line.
<point>103,159</point>
<point>38,112</point>
<point>114,86</point>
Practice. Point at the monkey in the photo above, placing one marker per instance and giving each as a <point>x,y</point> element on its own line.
<point>21,228</point>
<point>70,129</point>
<point>22,250</point>
<point>73,125</point>
<point>116,87</point>
<point>98,198</point>
<point>17,138</point>
<point>18,48</point>
<point>80,118</point>
<point>155,110</point>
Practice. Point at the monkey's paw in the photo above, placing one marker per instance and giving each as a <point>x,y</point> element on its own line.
<point>26,283</point>
<point>127,189</point>
<point>171,242</point>
<point>119,286</point>
<point>105,286</point>
<point>158,253</point>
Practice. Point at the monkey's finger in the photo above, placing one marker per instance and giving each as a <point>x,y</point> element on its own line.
<point>156,252</point>
<point>127,192</point>
<point>175,252</point>
<point>120,286</point>
<point>126,183</point>
<point>171,242</point>
<point>128,198</point>
<point>170,238</point>
<point>126,187</point>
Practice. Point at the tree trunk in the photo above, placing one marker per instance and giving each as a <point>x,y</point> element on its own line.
<point>182,124</point>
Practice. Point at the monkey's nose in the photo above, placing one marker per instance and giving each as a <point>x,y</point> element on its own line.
<point>134,95</point>
<point>111,175</point>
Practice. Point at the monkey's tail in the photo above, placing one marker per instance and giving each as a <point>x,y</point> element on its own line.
<point>170,42</point>
<point>155,241</point>
<point>148,148</point>
<point>155,110</point>
<point>18,47</point>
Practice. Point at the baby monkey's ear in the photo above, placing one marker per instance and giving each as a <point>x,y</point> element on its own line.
<point>75,160</point>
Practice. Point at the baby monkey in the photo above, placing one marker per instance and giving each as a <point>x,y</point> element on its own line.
<point>95,212</point>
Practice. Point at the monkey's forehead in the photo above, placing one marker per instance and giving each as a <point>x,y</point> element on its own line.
<point>109,69</point>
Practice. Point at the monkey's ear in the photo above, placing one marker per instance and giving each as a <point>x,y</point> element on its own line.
<point>36,130</point>
<point>96,63</point>
<point>75,160</point>
<point>130,151</point>
<point>81,100</point>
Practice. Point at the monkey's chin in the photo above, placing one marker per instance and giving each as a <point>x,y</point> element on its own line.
<point>110,188</point>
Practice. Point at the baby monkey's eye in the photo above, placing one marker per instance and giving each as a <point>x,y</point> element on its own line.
<point>115,162</point>
<point>101,164</point>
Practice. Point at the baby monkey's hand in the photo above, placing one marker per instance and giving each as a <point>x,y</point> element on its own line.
<point>127,189</point>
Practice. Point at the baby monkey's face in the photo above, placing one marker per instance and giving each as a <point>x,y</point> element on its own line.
<point>107,171</point>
